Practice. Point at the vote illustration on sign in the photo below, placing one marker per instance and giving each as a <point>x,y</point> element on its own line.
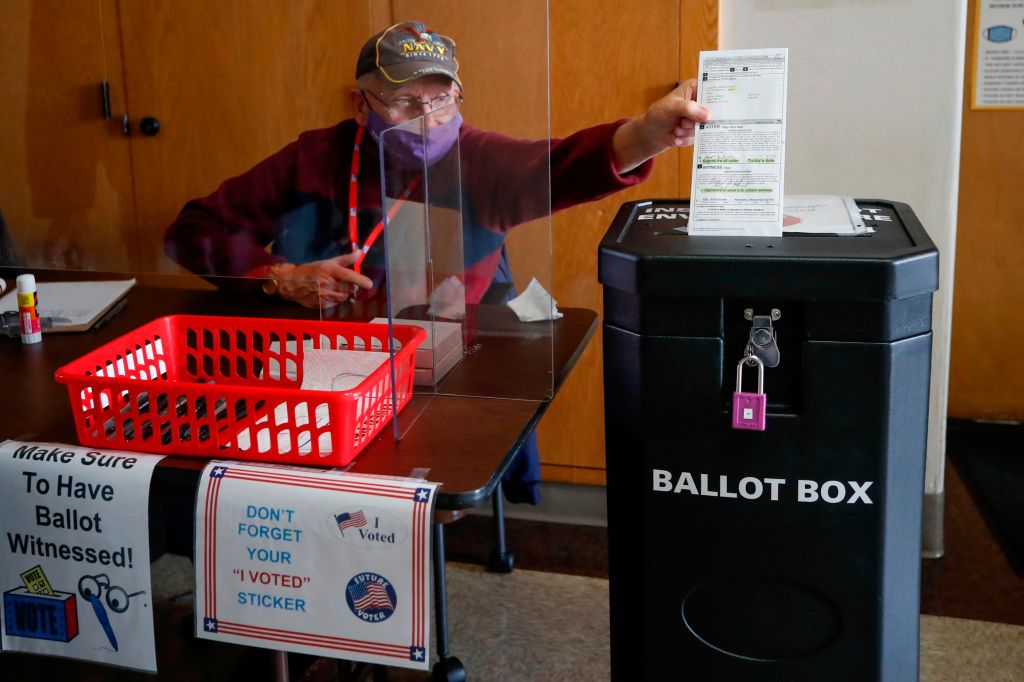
<point>325,563</point>
<point>37,611</point>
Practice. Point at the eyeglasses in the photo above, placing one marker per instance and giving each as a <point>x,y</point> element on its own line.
<point>117,598</point>
<point>411,107</point>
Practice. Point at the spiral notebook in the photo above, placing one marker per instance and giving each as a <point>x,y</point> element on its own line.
<point>74,306</point>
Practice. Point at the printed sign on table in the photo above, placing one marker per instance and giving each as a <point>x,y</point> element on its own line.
<point>318,562</point>
<point>75,565</point>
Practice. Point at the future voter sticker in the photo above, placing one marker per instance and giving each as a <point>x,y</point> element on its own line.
<point>371,597</point>
<point>368,528</point>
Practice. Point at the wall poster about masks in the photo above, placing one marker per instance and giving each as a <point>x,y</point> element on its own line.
<point>998,64</point>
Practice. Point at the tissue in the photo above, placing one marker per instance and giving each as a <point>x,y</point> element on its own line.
<point>535,304</point>
<point>448,300</point>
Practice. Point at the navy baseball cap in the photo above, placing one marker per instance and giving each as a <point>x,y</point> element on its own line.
<point>408,51</point>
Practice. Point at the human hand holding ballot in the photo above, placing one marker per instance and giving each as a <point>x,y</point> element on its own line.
<point>668,123</point>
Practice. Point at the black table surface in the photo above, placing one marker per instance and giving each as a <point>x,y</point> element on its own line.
<point>457,438</point>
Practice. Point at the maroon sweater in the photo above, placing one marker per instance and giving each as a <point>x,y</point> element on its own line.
<point>296,201</point>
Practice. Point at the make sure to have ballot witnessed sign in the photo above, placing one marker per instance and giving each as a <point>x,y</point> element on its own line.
<point>319,562</point>
<point>75,562</point>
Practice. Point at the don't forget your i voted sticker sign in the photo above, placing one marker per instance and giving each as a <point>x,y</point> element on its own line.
<point>317,562</point>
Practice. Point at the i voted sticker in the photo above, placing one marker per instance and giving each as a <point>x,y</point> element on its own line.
<point>368,527</point>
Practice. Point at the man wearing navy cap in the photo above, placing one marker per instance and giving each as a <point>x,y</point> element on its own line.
<point>316,203</point>
<point>300,200</point>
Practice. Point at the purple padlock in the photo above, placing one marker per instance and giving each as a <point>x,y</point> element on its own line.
<point>748,409</point>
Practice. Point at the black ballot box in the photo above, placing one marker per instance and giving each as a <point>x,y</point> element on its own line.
<point>791,553</point>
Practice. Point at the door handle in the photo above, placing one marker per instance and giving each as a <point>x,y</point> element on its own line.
<point>149,126</point>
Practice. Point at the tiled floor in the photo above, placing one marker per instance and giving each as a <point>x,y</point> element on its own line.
<point>551,622</point>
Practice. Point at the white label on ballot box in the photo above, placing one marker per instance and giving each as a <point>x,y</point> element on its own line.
<point>75,562</point>
<point>318,562</point>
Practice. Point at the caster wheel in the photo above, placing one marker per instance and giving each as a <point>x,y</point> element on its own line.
<point>449,670</point>
<point>502,563</point>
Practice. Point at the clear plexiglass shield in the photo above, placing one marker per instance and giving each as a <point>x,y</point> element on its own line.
<point>451,199</point>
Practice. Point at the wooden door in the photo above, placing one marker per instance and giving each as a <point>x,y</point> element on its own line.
<point>985,378</point>
<point>230,83</point>
<point>65,172</point>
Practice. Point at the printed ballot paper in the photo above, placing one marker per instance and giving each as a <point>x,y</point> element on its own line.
<point>75,565</point>
<point>739,153</point>
<point>319,562</point>
<point>802,214</point>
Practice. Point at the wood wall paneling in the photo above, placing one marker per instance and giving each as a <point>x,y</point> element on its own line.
<point>502,52</point>
<point>65,172</point>
<point>985,379</point>
<point>230,86</point>
<point>573,474</point>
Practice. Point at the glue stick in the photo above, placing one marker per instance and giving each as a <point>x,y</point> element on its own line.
<point>28,310</point>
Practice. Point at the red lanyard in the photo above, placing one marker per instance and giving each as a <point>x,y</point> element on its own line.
<point>353,205</point>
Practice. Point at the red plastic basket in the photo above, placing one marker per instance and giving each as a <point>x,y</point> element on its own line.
<point>229,386</point>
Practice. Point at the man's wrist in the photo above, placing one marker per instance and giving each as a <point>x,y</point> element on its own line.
<point>631,145</point>
<point>272,278</point>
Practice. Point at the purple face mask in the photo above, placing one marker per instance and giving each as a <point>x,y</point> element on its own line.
<point>406,149</point>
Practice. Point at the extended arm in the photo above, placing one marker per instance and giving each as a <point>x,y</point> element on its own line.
<point>226,233</point>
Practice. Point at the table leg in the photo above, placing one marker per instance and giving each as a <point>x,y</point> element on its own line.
<point>280,666</point>
<point>449,668</point>
<point>502,560</point>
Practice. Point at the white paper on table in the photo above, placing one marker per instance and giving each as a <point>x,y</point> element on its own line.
<point>739,157</point>
<point>535,304</point>
<point>323,369</point>
<point>448,299</point>
<point>326,369</point>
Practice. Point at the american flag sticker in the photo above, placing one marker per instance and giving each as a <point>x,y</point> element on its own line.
<point>350,520</point>
<point>371,597</point>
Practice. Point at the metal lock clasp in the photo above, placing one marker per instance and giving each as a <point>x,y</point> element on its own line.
<point>751,360</point>
<point>749,409</point>
<point>762,341</point>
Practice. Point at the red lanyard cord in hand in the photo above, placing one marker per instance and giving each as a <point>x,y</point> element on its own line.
<point>353,205</point>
